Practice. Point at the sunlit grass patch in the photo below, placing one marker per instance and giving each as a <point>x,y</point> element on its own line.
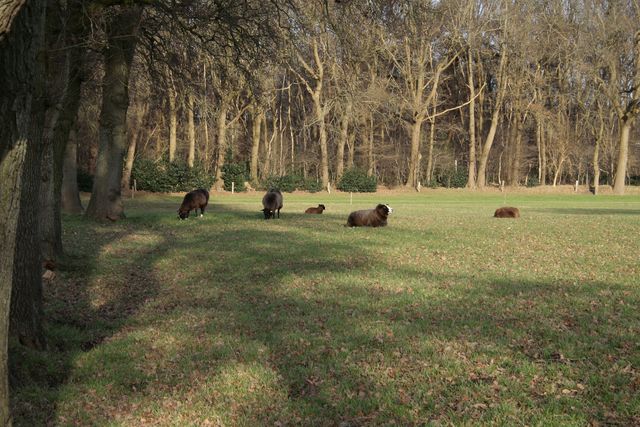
<point>447,315</point>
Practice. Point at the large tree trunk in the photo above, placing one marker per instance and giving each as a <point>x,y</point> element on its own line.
<point>106,200</point>
<point>414,162</point>
<point>69,194</point>
<point>623,156</point>
<point>21,122</point>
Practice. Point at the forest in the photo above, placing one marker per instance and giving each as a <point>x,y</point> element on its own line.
<point>529,93</point>
<point>103,95</point>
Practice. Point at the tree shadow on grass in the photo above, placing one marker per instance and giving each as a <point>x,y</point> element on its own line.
<point>99,286</point>
<point>291,322</point>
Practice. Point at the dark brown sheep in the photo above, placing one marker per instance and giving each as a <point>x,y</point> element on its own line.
<point>272,202</point>
<point>192,201</point>
<point>369,217</point>
<point>317,210</point>
<point>507,212</point>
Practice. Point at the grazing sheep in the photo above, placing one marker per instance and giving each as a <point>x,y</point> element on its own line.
<point>192,201</point>
<point>369,217</point>
<point>272,202</point>
<point>317,210</point>
<point>507,212</point>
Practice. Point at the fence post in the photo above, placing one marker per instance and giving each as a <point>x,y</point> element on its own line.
<point>233,187</point>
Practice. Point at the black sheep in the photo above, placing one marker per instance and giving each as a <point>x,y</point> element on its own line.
<point>369,217</point>
<point>272,202</point>
<point>193,200</point>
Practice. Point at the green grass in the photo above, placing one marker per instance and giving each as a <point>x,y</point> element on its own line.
<point>445,317</point>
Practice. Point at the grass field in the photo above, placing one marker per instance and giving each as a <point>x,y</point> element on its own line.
<point>445,317</point>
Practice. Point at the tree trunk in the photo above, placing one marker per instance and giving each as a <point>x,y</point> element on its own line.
<point>623,156</point>
<point>322,134</point>
<point>191,128</point>
<point>495,119</point>
<point>106,200</point>
<point>516,150</point>
<point>471,182</point>
<point>222,143</point>
<point>21,123</point>
<point>135,130</point>
<point>352,151</point>
<point>416,130</point>
<point>258,117</point>
<point>63,95</point>
<point>131,156</point>
<point>370,160</point>
<point>596,153</point>
<point>432,135</point>
<point>173,120</point>
<point>342,141</point>
<point>69,195</point>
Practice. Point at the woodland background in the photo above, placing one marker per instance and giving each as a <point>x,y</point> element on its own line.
<point>526,93</point>
<point>408,92</point>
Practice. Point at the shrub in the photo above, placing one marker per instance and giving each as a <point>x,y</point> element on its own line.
<point>532,181</point>
<point>234,173</point>
<point>163,176</point>
<point>312,185</point>
<point>285,183</point>
<point>358,181</point>
<point>291,183</point>
<point>450,178</point>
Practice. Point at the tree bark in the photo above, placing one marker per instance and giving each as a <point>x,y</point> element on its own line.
<point>623,156</point>
<point>516,151</point>
<point>432,134</point>
<point>495,119</point>
<point>416,131</point>
<point>342,141</point>
<point>258,117</point>
<point>63,95</point>
<point>173,120</point>
<point>370,159</point>
<point>471,182</point>
<point>106,200</point>
<point>21,122</point>
<point>632,110</point>
<point>222,143</point>
<point>135,129</point>
<point>191,128</point>
<point>69,195</point>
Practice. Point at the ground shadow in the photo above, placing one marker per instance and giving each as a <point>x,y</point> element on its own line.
<point>84,305</point>
<point>348,348</point>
